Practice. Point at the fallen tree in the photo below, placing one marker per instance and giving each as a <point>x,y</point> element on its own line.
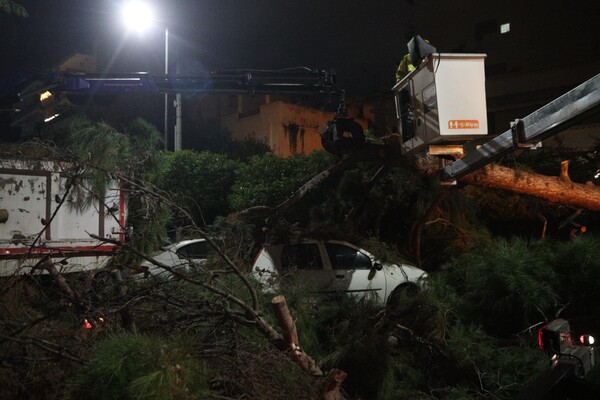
<point>554,189</point>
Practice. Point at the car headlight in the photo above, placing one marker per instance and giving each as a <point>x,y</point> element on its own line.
<point>423,281</point>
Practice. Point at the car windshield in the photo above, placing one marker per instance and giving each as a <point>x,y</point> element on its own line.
<point>194,250</point>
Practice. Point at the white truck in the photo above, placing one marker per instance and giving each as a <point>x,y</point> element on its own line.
<point>46,219</point>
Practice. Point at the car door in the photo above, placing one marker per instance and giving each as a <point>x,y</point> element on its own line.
<point>303,264</point>
<point>353,271</point>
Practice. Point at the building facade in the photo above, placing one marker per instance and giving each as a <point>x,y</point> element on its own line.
<point>288,129</point>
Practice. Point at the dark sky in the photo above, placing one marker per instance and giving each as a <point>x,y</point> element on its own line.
<point>361,40</point>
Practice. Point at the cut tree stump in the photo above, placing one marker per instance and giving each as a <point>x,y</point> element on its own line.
<point>290,336</point>
<point>331,383</point>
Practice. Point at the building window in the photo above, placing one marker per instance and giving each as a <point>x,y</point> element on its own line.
<point>505,28</point>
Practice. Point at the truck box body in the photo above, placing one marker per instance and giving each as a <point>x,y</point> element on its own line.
<point>41,219</point>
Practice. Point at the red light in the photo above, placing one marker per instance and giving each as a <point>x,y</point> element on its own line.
<point>93,324</point>
<point>586,340</point>
<point>541,338</point>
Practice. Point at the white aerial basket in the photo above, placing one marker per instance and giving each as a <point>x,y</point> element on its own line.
<point>442,102</point>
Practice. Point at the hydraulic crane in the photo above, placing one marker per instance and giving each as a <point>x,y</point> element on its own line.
<point>22,95</point>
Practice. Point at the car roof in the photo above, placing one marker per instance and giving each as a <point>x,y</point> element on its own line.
<point>183,243</point>
<point>313,240</point>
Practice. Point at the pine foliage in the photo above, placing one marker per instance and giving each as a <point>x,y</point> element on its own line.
<point>140,367</point>
<point>504,286</point>
<point>577,266</point>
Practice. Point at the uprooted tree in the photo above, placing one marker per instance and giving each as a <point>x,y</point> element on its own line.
<point>554,189</point>
<point>559,193</point>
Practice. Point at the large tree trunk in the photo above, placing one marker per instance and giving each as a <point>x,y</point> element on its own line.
<point>560,190</point>
<point>554,189</point>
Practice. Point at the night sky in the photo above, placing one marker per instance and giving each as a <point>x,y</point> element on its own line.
<point>361,40</point>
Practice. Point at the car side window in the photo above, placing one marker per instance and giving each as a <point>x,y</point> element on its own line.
<point>344,257</point>
<point>301,256</point>
<point>194,250</point>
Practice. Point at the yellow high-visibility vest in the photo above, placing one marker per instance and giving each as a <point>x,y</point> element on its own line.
<point>404,68</point>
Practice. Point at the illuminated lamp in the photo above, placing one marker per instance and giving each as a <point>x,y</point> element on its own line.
<point>586,340</point>
<point>137,15</point>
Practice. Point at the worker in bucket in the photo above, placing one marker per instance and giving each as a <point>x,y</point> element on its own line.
<point>419,49</point>
<point>406,114</point>
<point>404,68</point>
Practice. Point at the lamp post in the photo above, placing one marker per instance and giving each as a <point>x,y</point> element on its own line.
<point>139,16</point>
<point>166,94</point>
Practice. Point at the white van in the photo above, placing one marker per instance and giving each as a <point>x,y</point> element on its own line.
<point>331,266</point>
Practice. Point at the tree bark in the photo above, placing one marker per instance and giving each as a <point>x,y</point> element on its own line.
<point>560,189</point>
<point>554,189</point>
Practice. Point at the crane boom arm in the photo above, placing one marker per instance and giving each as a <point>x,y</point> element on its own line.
<point>289,81</point>
<point>553,117</point>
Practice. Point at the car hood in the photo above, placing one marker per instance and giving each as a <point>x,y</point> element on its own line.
<point>403,272</point>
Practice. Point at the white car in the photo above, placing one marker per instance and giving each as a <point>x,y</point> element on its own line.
<point>181,256</point>
<point>329,266</point>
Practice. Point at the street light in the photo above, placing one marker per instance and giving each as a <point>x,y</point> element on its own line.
<point>138,16</point>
